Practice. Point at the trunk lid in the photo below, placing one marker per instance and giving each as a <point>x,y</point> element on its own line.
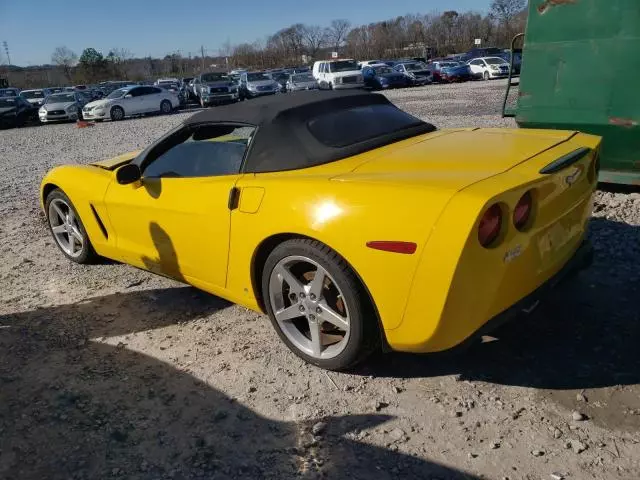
<point>455,159</point>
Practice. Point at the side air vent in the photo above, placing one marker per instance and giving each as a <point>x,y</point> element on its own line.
<point>99,222</point>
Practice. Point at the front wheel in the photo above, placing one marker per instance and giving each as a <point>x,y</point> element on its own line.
<point>67,229</point>
<point>486,75</point>
<point>117,114</point>
<point>317,305</point>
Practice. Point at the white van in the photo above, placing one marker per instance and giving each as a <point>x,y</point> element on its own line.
<point>338,74</point>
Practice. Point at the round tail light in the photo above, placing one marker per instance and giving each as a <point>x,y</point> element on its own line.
<point>490,225</point>
<point>522,212</point>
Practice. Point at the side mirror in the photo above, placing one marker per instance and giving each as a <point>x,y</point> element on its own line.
<point>128,173</point>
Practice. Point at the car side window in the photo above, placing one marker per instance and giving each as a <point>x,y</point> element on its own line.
<point>204,151</point>
<point>136,92</point>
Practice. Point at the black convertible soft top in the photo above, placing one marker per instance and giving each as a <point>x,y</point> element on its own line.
<point>303,129</point>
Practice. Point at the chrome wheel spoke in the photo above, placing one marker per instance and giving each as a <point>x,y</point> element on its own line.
<point>334,318</point>
<point>316,338</point>
<point>294,284</point>
<point>59,212</point>
<point>58,229</point>
<point>289,313</point>
<point>317,284</point>
<point>75,233</point>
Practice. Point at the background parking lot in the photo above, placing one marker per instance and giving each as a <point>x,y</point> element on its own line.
<point>108,371</point>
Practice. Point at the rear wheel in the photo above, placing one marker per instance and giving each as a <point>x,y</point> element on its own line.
<point>166,107</point>
<point>117,114</point>
<point>67,228</point>
<point>318,306</point>
<point>486,75</point>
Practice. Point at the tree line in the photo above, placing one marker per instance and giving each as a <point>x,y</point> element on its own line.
<point>432,34</point>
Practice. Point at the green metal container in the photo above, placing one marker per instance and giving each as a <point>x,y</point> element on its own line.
<point>581,71</point>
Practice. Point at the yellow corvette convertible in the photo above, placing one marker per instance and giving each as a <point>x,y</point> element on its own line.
<point>352,224</point>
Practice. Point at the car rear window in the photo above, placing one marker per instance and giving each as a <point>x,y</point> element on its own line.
<point>350,126</point>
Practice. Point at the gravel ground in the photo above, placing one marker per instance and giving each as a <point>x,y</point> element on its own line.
<point>110,372</point>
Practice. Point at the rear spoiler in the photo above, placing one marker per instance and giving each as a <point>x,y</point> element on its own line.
<point>565,161</point>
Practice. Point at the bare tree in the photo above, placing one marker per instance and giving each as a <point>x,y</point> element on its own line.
<point>314,38</point>
<point>505,10</point>
<point>337,32</point>
<point>66,59</point>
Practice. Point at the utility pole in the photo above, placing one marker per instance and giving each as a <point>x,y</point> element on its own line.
<point>6,49</point>
<point>202,51</point>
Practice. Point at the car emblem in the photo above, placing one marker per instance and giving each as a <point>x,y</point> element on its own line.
<point>512,254</point>
<point>572,178</point>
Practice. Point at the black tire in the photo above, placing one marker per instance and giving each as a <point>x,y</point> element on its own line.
<point>364,335</point>
<point>166,107</point>
<point>486,76</point>
<point>116,113</point>
<point>87,255</point>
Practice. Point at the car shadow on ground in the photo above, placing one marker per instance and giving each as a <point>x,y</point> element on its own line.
<point>73,407</point>
<point>584,335</point>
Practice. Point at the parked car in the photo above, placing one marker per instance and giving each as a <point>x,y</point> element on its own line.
<point>382,76</point>
<point>215,88</point>
<point>480,52</point>
<point>16,111</point>
<point>176,90</point>
<point>417,72</point>
<point>503,217</point>
<point>257,84</point>
<point>282,78</point>
<point>36,96</point>
<point>366,63</point>
<point>301,81</point>
<point>166,80</point>
<point>132,100</point>
<point>338,74</point>
<point>517,60</point>
<point>9,92</point>
<point>61,107</point>
<point>302,69</point>
<point>448,71</point>
<point>489,67</point>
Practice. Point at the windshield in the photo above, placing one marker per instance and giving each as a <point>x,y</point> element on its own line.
<point>169,86</point>
<point>382,69</point>
<point>214,77</point>
<point>449,64</point>
<point>495,61</point>
<point>33,94</point>
<point>8,102</point>
<point>413,67</point>
<point>256,77</point>
<point>302,77</point>
<point>118,93</point>
<point>61,98</point>
<point>343,66</point>
<point>8,93</point>
<point>280,77</point>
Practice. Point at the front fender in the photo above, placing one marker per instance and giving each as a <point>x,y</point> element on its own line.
<point>85,185</point>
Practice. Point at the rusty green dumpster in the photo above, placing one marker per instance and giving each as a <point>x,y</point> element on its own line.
<point>581,71</point>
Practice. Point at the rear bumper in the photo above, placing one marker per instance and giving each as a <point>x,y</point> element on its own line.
<point>582,259</point>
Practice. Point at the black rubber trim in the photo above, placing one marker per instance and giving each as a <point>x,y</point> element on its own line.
<point>99,222</point>
<point>565,161</point>
<point>234,197</point>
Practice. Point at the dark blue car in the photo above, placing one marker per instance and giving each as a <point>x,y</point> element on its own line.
<point>381,77</point>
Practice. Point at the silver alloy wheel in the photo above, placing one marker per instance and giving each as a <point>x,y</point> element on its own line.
<point>65,227</point>
<point>165,106</point>
<point>309,307</point>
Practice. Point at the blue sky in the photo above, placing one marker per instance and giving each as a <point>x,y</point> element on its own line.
<point>33,28</point>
